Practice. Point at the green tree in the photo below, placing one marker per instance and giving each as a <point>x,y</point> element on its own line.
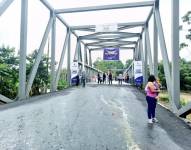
<point>187,19</point>
<point>109,65</point>
<point>42,79</point>
<point>9,65</point>
<point>62,83</point>
<point>128,63</point>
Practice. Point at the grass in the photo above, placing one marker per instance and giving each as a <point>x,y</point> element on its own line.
<point>185,98</point>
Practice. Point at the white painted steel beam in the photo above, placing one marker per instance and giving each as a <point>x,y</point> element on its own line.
<point>175,53</point>
<point>108,37</point>
<point>155,48</point>
<point>53,47</point>
<point>149,50</point>
<point>101,34</point>
<point>5,99</point>
<point>106,7</point>
<point>101,48</point>
<point>145,61</point>
<point>61,59</point>
<point>23,49</point>
<point>131,24</point>
<point>4,5</point>
<point>166,63</point>
<point>68,58</point>
<point>111,42</point>
<point>38,58</point>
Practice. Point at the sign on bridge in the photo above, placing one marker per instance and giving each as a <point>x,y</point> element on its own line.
<point>111,54</point>
<point>106,28</point>
<point>138,74</point>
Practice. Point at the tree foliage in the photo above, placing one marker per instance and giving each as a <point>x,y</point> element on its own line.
<point>8,72</point>
<point>108,65</point>
<point>42,79</point>
<point>187,18</point>
<point>185,74</point>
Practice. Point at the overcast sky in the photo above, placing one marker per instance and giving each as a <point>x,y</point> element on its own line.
<point>39,15</point>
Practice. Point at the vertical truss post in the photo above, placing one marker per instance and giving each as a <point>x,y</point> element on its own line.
<point>165,57</point>
<point>175,54</point>
<point>142,59</point>
<point>68,58</point>
<point>145,63</point>
<point>53,74</point>
<point>90,58</point>
<point>155,48</point>
<point>79,52</point>
<point>23,49</point>
<point>61,60</point>
<point>39,56</point>
<point>149,49</point>
<point>76,57</point>
<point>85,54</point>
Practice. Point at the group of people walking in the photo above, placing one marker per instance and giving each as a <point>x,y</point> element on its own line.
<point>106,78</point>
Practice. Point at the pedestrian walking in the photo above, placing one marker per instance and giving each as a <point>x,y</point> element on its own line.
<point>98,78</point>
<point>120,79</point>
<point>104,78</point>
<point>83,78</point>
<point>110,78</point>
<point>151,97</point>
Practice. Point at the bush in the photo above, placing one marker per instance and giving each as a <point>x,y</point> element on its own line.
<point>183,102</point>
<point>164,97</point>
<point>62,84</point>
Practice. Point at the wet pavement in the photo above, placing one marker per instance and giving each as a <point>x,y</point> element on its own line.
<point>91,118</point>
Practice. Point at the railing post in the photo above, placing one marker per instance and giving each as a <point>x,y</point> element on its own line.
<point>23,49</point>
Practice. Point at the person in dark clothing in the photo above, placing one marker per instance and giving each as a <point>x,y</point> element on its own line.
<point>77,80</point>
<point>83,78</point>
<point>104,78</point>
<point>110,78</point>
<point>98,78</point>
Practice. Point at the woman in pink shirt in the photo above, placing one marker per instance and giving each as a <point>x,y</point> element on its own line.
<point>151,97</point>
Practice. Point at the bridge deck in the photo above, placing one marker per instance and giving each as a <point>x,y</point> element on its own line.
<point>91,118</point>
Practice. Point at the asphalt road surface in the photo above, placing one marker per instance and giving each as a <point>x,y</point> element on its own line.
<point>91,118</point>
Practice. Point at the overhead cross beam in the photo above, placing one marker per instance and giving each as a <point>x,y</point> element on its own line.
<point>130,24</point>
<point>109,37</point>
<point>106,7</point>
<point>101,48</point>
<point>111,42</point>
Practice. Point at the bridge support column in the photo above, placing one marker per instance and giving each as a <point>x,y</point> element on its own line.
<point>142,59</point>
<point>145,62</point>
<point>149,49</point>
<point>23,49</point>
<point>76,56</point>
<point>68,58</point>
<point>165,58</point>
<point>53,74</point>
<point>90,58</point>
<point>175,54</point>
<point>155,48</point>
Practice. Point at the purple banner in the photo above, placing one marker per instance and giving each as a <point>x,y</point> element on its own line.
<point>111,54</point>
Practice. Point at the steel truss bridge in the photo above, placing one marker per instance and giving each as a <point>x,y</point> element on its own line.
<point>141,47</point>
